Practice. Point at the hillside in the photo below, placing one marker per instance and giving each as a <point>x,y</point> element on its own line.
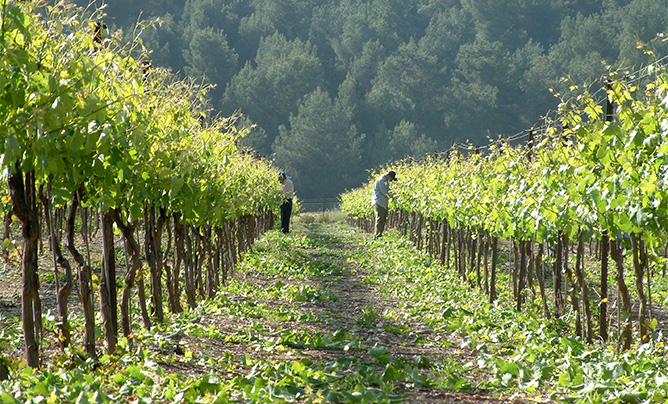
<point>339,87</point>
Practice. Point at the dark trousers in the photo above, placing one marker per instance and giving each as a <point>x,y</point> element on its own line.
<point>380,217</point>
<point>286,211</point>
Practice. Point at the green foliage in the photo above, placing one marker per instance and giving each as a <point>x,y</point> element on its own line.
<point>457,70</point>
<point>209,56</point>
<point>524,353</point>
<point>282,291</point>
<point>408,86</point>
<point>321,134</point>
<point>83,113</point>
<point>596,175</point>
<point>523,350</point>
<point>283,260</point>
<point>283,72</point>
<point>606,177</point>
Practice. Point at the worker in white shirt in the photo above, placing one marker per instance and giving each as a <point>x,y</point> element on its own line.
<point>380,201</point>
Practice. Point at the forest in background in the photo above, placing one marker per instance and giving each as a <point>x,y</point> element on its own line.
<point>338,87</point>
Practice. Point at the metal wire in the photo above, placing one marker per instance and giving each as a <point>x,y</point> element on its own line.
<point>543,128</point>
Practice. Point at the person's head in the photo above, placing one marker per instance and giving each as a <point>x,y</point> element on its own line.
<point>282,177</point>
<point>391,176</point>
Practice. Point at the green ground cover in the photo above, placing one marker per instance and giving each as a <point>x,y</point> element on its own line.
<point>325,314</point>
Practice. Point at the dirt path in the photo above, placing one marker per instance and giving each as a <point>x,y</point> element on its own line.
<point>359,311</point>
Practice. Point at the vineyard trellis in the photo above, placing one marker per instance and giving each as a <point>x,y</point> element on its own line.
<point>590,177</point>
<point>91,135</point>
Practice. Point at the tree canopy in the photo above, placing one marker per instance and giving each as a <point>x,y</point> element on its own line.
<point>403,77</point>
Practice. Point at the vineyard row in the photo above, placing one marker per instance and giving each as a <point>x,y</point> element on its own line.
<point>593,176</point>
<point>88,125</point>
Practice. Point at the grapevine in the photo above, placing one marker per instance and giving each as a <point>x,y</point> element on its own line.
<point>89,126</point>
<point>585,178</point>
